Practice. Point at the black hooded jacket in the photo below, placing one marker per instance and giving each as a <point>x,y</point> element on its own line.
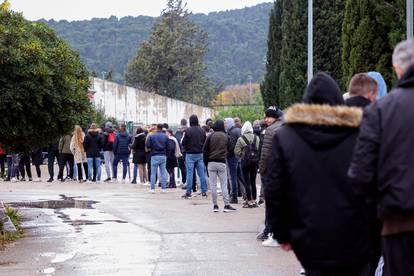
<point>194,137</point>
<point>383,159</point>
<point>217,144</point>
<point>310,203</point>
<point>93,144</point>
<point>358,101</point>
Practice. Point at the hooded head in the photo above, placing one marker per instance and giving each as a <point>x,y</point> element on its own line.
<point>247,128</point>
<point>323,90</point>
<point>194,120</point>
<point>219,126</point>
<point>382,86</point>
<point>108,125</point>
<point>229,123</point>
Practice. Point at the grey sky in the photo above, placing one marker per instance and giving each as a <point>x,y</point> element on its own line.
<point>87,9</point>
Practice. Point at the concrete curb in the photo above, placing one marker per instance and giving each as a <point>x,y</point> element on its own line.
<point>5,223</point>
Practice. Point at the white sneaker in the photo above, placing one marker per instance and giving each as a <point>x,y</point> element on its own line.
<point>88,181</point>
<point>14,179</point>
<point>270,242</point>
<point>152,191</point>
<point>302,272</point>
<point>163,191</point>
<point>37,180</point>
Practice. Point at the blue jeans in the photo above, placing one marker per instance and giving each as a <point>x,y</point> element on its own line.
<point>125,160</point>
<point>159,161</point>
<point>195,160</point>
<point>233,163</point>
<point>97,166</point>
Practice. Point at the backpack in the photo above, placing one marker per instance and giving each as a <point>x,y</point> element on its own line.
<point>250,154</point>
<point>111,137</point>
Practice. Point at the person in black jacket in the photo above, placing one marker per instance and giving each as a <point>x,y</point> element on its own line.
<point>52,155</point>
<point>37,160</point>
<point>312,208</point>
<point>121,152</point>
<point>215,153</point>
<point>93,144</point>
<point>108,143</point>
<point>193,141</point>
<point>362,90</point>
<point>382,165</point>
<point>139,156</point>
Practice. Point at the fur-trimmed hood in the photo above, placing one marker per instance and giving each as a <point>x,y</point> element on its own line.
<point>323,126</point>
<point>324,115</point>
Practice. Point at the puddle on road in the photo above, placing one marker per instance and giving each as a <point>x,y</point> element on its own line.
<point>63,203</point>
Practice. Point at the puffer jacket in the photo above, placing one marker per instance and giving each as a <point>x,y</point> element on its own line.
<point>383,159</point>
<point>121,144</point>
<point>309,201</point>
<point>266,147</point>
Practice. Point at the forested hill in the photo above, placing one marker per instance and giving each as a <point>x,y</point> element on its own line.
<point>237,42</point>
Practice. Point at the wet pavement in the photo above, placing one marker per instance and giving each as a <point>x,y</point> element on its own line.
<point>121,229</point>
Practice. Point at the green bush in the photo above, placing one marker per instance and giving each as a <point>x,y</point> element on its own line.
<point>245,113</point>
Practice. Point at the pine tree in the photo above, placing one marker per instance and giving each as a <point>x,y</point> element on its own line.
<point>270,86</point>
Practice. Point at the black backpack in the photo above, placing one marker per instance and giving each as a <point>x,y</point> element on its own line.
<point>250,154</point>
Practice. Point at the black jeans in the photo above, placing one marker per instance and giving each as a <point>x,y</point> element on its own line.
<point>25,163</point>
<point>342,271</point>
<point>181,165</point>
<point>38,171</point>
<point>63,159</point>
<point>398,254</point>
<point>2,162</point>
<point>249,175</point>
<point>85,167</point>
<point>171,172</point>
<point>51,156</point>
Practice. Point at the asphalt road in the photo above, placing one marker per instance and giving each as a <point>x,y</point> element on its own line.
<point>132,232</point>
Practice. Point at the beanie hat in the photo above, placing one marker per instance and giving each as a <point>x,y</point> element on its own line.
<point>273,112</point>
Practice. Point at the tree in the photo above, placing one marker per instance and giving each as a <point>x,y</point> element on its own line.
<point>170,63</point>
<point>363,48</point>
<point>43,84</point>
<point>270,88</point>
<point>293,57</point>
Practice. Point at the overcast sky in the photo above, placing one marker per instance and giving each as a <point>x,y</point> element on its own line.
<point>87,9</point>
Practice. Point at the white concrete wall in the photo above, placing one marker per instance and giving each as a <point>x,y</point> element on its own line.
<point>130,104</point>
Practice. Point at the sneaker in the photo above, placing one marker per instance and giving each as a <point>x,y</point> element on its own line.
<point>7,179</point>
<point>184,187</point>
<point>270,242</point>
<point>50,180</point>
<point>246,205</point>
<point>107,180</point>
<point>82,181</point>
<point>14,179</point>
<point>254,205</point>
<point>23,179</point>
<point>228,208</point>
<point>216,209</point>
<point>204,195</point>
<point>302,272</point>
<point>88,181</point>
<point>37,180</point>
<point>30,179</point>
<point>262,236</point>
<point>186,196</point>
<point>133,182</point>
<point>260,202</point>
<point>163,191</point>
<point>152,191</point>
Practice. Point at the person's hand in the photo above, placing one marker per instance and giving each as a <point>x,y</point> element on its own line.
<point>286,247</point>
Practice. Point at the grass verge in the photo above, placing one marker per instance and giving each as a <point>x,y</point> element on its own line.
<point>7,237</point>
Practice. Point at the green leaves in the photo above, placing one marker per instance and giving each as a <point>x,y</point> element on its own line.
<point>43,84</point>
<point>170,63</point>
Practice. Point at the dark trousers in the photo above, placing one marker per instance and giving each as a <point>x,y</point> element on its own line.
<point>171,173</point>
<point>38,171</point>
<point>2,162</point>
<point>125,161</point>
<point>25,164</point>
<point>85,167</point>
<point>181,165</point>
<point>65,158</point>
<point>51,156</point>
<point>342,271</point>
<point>268,228</point>
<point>249,174</point>
<point>398,254</point>
<point>232,164</point>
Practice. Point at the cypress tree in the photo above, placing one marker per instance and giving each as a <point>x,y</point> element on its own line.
<point>370,32</point>
<point>270,86</point>
<point>328,19</point>
<point>293,59</point>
